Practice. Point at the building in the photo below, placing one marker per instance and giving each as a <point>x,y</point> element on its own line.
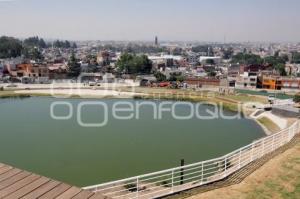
<point>22,70</point>
<point>290,83</point>
<point>156,41</point>
<point>40,70</point>
<point>192,58</point>
<point>164,61</point>
<point>96,77</point>
<point>246,80</point>
<point>271,82</point>
<point>57,71</point>
<point>104,58</point>
<point>108,78</point>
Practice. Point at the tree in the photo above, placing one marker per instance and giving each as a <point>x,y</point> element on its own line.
<point>174,77</point>
<point>228,53</point>
<point>74,45</point>
<point>124,63</point>
<point>144,65</point>
<point>281,69</point>
<point>160,77</point>
<point>134,64</point>
<point>274,60</point>
<point>32,53</point>
<point>211,72</point>
<point>10,47</point>
<point>247,58</point>
<point>74,68</point>
<point>62,44</point>
<point>67,44</point>
<point>296,57</point>
<point>297,98</point>
<point>42,43</point>
<point>203,49</point>
<point>57,44</point>
<point>278,63</point>
<point>35,42</point>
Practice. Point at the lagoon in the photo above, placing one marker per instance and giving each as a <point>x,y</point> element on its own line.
<point>31,139</point>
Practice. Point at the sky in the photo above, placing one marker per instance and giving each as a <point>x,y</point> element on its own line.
<point>170,20</point>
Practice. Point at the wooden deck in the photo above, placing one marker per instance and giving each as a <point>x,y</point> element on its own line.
<point>16,183</point>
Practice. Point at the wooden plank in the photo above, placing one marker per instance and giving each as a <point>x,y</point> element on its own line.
<point>9,181</point>
<point>28,188</point>
<point>41,190</point>
<point>4,169</point>
<point>70,193</point>
<point>98,196</point>
<point>15,183</point>
<point>55,192</point>
<point>18,185</point>
<point>9,174</point>
<point>83,195</point>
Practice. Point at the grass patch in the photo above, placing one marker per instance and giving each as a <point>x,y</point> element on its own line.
<point>247,98</point>
<point>269,124</point>
<point>12,94</point>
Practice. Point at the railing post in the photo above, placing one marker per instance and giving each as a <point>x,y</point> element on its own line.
<point>137,187</point>
<point>294,131</point>
<point>225,166</point>
<point>289,135</point>
<point>172,190</point>
<point>263,148</point>
<point>273,143</point>
<point>252,149</point>
<point>182,172</point>
<point>240,156</point>
<point>202,172</point>
<point>281,139</point>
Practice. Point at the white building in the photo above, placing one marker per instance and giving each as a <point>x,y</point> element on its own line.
<point>167,59</point>
<point>246,80</point>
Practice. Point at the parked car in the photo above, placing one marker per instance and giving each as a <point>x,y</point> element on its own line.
<point>164,84</point>
<point>91,83</point>
<point>11,86</point>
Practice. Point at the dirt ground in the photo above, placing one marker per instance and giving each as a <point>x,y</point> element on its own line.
<point>278,178</point>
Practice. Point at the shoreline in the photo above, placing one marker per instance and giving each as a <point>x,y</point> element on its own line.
<point>88,93</point>
<point>115,94</point>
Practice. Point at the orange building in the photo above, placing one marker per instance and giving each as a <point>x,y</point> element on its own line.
<point>271,82</point>
<point>21,70</point>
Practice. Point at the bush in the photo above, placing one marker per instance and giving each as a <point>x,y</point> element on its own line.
<point>160,77</point>
<point>297,98</point>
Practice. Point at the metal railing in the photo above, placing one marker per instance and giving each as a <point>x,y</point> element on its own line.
<point>177,179</point>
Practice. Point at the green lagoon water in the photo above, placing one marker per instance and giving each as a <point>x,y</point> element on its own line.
<point>63,150</point>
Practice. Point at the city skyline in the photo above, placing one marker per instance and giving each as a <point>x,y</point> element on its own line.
<point>141,20</point>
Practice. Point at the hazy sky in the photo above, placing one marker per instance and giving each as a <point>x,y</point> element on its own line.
<point>201,20</point>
